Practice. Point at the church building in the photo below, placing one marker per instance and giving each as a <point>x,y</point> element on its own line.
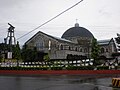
<point>75,43</point>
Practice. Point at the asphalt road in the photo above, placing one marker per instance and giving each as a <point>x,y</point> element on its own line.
<point>56,82</point>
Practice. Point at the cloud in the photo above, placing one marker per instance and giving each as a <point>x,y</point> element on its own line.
<point>28,14</point>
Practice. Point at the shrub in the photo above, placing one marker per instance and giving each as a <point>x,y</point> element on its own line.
<point>80,67</point>
<point>56,68</point>
<point>85,67</point>
<point>103,68</point>
<point>70,67</point>
<point>23,68</point>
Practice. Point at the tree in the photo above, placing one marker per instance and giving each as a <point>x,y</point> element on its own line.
<point>46,57</point>
<point>23,52</point>
<point>95,52</point>
<point>17,51</point>
<point>118,39</point>
<point>29,55</point>
<point>1,57</point>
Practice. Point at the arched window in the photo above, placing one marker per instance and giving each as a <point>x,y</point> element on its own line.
<point>81,50</point>
<point>102,50</point>
<point>39,43</point>
<point>76,49</point>
<point>61,47</point>
<point>69,48</point>
<point>85,50</point>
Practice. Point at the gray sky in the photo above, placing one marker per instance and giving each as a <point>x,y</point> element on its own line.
<point>101,17</point>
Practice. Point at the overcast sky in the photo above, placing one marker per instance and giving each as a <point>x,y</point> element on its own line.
<point>101,17</point>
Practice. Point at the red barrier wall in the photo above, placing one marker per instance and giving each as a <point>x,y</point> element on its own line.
<point>58,72</point>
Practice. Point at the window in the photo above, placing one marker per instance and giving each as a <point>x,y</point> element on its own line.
<point>39,42</point>
<point>61,47</point>
<point>106,50</point>
<point>40,45</point>
<point>102,50</point>
<point>81,50</point>
<point>85,50</point>
<point>69,48</point>
<point>76,49</point>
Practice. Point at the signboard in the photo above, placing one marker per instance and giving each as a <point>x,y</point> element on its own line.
<point>9,55</point>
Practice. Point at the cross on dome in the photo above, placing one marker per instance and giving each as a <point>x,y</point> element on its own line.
<point>76,24</point>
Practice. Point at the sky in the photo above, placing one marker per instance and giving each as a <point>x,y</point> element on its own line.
<point>100,17</point>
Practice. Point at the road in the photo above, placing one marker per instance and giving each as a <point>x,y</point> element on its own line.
<point>56,82</point>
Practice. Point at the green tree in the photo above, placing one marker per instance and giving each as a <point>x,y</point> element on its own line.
<point>26,54</point>
<point>23,52</point>
<point>95,52</point>
<point>17,51</point>
<point>29,55</point>
<point>1,57</point>
<point>46,57</point>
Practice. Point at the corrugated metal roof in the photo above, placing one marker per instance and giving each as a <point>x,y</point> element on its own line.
<point>104,42</point>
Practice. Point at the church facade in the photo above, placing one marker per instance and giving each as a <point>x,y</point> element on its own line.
<point>75,43</point>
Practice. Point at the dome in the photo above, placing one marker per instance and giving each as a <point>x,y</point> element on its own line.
<point>77,32</point>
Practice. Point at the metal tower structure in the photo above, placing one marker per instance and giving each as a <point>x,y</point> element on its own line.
<point>10,40</point>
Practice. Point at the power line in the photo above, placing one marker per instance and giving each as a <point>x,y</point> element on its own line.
<point>50,19</point>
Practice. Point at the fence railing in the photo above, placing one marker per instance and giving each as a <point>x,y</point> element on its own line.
<point>47,64</point>
<point>112,64</point>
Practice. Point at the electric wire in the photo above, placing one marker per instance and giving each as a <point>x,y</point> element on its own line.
<point>50,19</point>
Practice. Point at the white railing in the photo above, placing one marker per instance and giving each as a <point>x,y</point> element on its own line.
<point>47,64</point>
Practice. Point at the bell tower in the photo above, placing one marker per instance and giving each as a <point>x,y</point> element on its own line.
<point>10,40</point>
